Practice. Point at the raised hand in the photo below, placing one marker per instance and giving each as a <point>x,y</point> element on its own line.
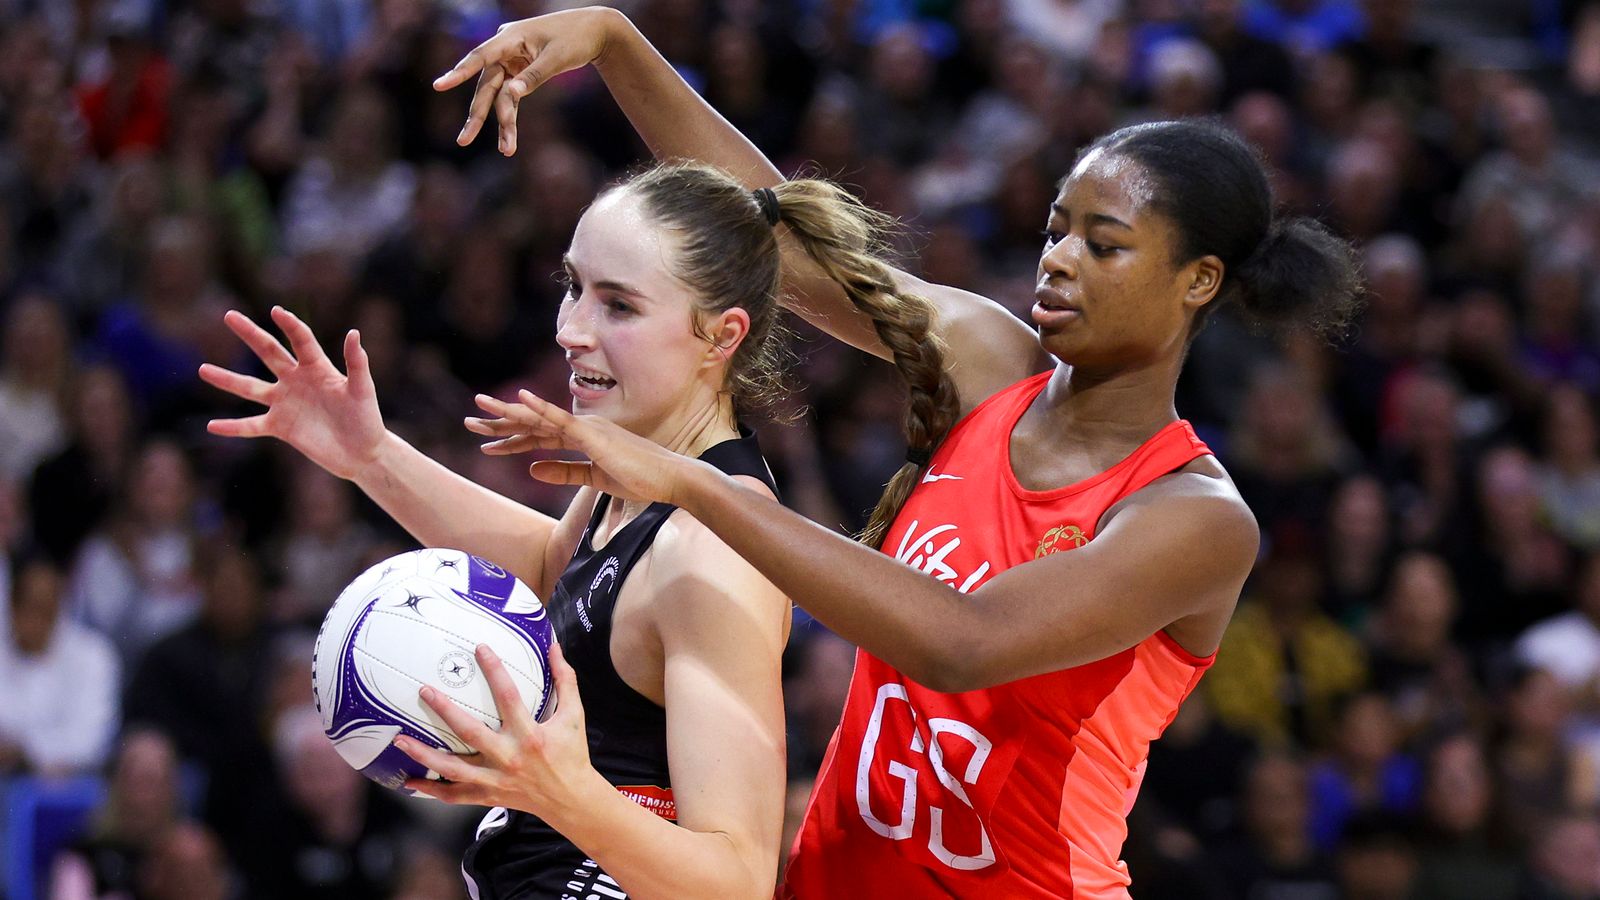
<point>519,58</point>
<point>329,416</point>
<point>524,765</point>
<point>620,462</point>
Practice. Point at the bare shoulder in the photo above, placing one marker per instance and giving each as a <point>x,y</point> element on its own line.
<point>987,349</point>
<point>692,571</point>
<point>1199,497</point>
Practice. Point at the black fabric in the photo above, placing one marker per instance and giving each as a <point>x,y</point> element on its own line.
<point>516,855</point>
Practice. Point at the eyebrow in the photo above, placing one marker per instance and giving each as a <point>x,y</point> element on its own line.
<point>1094,218</point>
<point>617,287</point>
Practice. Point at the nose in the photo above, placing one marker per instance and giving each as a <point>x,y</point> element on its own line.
<point>1060,260</point>
<point>575,325</point>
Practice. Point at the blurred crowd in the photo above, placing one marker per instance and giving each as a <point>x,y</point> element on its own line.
<point>1408,702</point>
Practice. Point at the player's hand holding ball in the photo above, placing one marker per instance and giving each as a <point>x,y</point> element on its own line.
<point>538,768</point>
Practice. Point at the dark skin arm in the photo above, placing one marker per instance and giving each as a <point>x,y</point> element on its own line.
<point>1173,556</point>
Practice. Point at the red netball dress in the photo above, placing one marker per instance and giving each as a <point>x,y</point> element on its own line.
<point>1019,790</point>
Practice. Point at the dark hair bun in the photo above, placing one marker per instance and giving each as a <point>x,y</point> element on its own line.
<point>1300,274</point>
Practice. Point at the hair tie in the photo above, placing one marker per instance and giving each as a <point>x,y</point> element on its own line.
<point>768,201</point>
<point>919,456</point>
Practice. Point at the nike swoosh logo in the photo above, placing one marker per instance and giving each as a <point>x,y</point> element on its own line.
<point>930,477</point>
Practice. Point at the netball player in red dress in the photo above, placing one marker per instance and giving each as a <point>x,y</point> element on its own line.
<point>1070,552</point>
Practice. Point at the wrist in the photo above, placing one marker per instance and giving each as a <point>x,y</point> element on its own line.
<point>583,808</point>
<point>696,487</point>
<point>615,28</point>
<point>379,460</point>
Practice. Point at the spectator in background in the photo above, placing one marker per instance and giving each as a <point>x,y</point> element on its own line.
<point>104,251</point>
<point>44,658</point>
<point>134,581</point>
<point>1358,549</point>
<point>1368,772</point>
<point>1285,453</point>
<point>337,836</point>
<point>206,685</point>
<point>186,863</point>
<point>1463,850</point>
<point>1569,473</point>
<point>71,493</point>
<point>35,369</point>
<point>1534,174</point>
<point>1513,569</point>
<point>1565,861</point>
<point>325,548</point>
<point>1249,63</point>
<point>141,808</point>
<point>1274,855</point>
<point>158,337</point>
<point>1284,666</point>
<point>1567,645</point>
<point>1377,859</point>
<point>352,191</point>
<point>1540,774</point>
<point>1415,665</point>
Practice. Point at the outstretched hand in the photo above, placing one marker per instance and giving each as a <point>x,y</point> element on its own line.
<point>525,765</point>
<point>620,463</point>
<point>519,58</point>
<point>330,416</point>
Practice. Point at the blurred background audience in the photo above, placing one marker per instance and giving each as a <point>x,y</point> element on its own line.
<point>1408,702</point>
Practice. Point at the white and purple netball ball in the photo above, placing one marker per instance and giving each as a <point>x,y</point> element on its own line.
<point>413,620</point>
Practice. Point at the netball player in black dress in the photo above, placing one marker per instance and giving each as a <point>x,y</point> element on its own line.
<point>667,779</point>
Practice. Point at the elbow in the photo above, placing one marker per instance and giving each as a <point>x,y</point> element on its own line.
<point>951,667</point>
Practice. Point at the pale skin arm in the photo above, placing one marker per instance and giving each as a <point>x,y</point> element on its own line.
<point>1174,556</point>
<point>722,632</point>
<point>333,419</point>
<point>988,348</point>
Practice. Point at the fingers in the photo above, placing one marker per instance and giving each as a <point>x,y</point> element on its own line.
<point>560,471</point>
<point>470,65</point>
<point>304,342</point>
<point>520,443</point>
<point>509,99</point>
<point>356,363</point>
<point>514,412</point>
<point>467,727</point>
<point>245,387</point>
<point>263,345</point>
<point>482,97</point>
<point>252,427</point>
<point>514,714</point>
<point>505,114</point>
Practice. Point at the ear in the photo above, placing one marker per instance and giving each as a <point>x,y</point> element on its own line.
<point>1204,281</point>
<point>727,330</point>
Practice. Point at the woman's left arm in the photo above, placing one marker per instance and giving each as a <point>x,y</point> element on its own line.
<point>722,632</point>
<point>1173,556</point>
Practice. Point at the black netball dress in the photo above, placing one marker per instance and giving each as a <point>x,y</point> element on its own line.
<point>516,855</point>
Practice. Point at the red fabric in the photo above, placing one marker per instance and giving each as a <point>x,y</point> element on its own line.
<point>1015,791</point>
<point>128,117</point>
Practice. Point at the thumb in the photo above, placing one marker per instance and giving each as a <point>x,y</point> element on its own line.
<point>356,365</point>
<point>561,471</point>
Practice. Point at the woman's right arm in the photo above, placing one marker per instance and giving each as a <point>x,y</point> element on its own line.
<point>333,419</point>
<point>988,348</point>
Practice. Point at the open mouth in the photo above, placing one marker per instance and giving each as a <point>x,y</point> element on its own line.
<point>597,382</point>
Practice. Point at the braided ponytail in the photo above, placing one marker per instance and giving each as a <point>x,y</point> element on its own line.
<point>843,237</point>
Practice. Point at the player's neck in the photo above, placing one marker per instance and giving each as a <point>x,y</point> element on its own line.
<point>699,428</point>
<point>1089,410</point>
